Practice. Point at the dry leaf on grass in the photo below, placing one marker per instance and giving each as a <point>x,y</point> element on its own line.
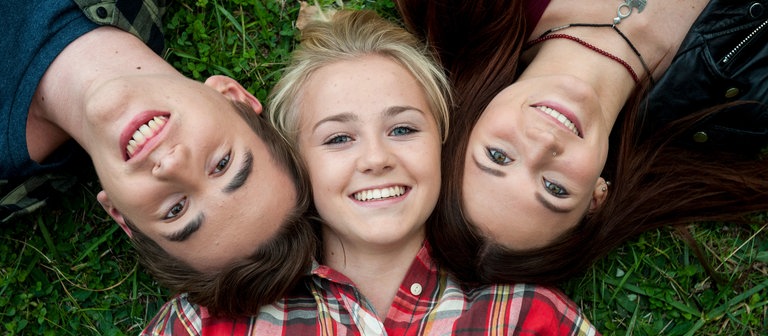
<point>308,13</point>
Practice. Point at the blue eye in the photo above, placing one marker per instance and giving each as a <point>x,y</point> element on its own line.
<point>555,189</point>
<point>176,209</point>
<point>402,130</point>
<point>338,139</point>
<point>498,157</point>
<point>223,164</point>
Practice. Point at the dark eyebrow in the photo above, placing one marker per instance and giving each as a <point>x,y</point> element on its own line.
<point>237,182</point>
<point>488,170</point>
<point>242,174</point>
<point>547,204</point>
<point>187,230</point>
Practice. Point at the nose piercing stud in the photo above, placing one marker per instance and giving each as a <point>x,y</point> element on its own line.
<point>554,154</point>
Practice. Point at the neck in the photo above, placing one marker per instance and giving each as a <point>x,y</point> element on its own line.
<point>376,270</point>
<point>656,32</point>
<point>57,109</point>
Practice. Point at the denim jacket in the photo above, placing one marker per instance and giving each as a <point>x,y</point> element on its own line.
<point>723,59</point>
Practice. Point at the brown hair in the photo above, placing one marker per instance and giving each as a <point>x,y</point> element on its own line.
<point>275,266</point>
<point>655,182</point>
<point>498,38</point>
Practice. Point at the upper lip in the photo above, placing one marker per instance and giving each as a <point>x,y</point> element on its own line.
<point>127,134</point>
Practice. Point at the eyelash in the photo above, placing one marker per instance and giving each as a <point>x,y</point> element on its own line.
<point>219,168</point>
<point>176,209</point>
<point>409,130</point>
<point>555,189</point>
<point>338,139</point>
<point>495,154</point>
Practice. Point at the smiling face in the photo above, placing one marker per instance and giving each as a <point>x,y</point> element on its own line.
<point>372,149</point>
<point>175,158</point>
<point>533,161</point>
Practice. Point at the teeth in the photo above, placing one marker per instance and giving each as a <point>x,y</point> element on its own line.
<point>376,194</point>
<point>144,132</point>
<point>560,117</point>
<point>131,148</point>
<point>154,124</point>
<point>139,137</point>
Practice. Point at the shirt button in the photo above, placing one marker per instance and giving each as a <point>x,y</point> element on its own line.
<point>101,12</point>
<point>732,92</point>
<point>700,137</point>
<point>416,289</point>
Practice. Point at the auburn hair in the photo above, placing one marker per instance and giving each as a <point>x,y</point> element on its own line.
<point>655,181</point>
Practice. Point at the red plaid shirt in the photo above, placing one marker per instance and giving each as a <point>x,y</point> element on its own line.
<point>429,302</point>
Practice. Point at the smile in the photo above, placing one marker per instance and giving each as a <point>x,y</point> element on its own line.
<point>379,194</point>
<point>144,133</point>
<point>560,118</point>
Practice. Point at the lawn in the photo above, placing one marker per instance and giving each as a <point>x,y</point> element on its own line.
<point>68,270</point>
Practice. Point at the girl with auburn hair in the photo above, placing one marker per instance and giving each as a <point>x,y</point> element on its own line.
<point>527,195</point>
<point>366,106</point>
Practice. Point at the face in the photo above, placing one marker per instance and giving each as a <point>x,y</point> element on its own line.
<point>533,161</point>
<point>372,149</point>
<point>175,158</point>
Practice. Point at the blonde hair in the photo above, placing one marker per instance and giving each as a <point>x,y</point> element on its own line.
<point>350,34</point>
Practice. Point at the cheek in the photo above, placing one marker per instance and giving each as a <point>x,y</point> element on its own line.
<point>489,120</point>
<point>322,175</point>
<point>474,196</point>
<point>587,166</point>
<point>136,199</point>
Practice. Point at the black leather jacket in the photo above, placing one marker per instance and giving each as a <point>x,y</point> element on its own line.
<point>723,59</point>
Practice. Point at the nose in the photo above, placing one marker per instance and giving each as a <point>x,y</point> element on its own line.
<point>173,164</point>
<point>375,158</point>
<point>543,144</point>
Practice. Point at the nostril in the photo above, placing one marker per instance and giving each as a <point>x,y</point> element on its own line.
<point>157,168</point>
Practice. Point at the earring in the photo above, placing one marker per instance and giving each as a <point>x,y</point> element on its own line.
<point>605,186</point>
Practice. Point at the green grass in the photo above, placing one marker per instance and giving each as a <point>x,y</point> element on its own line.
<point>68,270</point>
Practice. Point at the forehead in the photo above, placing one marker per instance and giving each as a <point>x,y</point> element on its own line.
<point>361,82</point>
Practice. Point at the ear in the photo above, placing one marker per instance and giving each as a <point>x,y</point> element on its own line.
<point>113,212</point>
<point>231,89</point>
<point>598,195</point>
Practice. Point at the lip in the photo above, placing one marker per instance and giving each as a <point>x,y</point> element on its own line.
<point>564,111</point>
<point>141,119</point>
<point>383,201</point>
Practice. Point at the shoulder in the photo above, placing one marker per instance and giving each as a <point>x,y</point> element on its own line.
<point>140,18</point>
<point>534,308</point>
<point>176,317</point>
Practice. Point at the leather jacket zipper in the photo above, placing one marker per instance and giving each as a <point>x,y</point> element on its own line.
<point>743,43</point>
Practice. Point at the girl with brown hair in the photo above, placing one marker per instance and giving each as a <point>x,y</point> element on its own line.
<point>527,193</point>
